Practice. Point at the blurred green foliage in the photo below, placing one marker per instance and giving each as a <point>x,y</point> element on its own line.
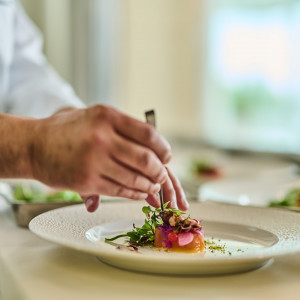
<point>28,194</point>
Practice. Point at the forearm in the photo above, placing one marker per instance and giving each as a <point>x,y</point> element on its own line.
<point>16,146</point>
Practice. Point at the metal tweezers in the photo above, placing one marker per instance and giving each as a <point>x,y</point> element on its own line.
<point>150,118</point>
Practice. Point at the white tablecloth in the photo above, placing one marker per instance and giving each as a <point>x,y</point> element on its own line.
<point>31,268</point>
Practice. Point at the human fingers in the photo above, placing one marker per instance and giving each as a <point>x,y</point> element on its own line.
<point>169,194</point>
<point>153,200</point>
<point>144,134</point>
<point>91,202</point>
<point>110,188</point>
<point>129,178</point>
<point>180,195</point>
<point>139,158</point>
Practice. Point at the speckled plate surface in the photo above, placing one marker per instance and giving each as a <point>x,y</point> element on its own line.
<point>250,237</point>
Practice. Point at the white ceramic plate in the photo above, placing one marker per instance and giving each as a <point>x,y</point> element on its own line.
<point>253,236</point>
<point>254,192</point>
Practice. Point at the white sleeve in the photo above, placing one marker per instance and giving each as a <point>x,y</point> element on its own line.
<point>35,89</point>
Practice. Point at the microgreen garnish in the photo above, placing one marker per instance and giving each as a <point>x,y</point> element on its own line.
<point>144,236</point>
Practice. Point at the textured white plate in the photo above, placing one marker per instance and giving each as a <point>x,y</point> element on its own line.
<point>261,234</point>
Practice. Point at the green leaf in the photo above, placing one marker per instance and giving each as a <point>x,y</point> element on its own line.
<point>115,237</point>
<point>134,236</point>
<point>166,204</point>
<point>146,210</point>
<point>147,225</point>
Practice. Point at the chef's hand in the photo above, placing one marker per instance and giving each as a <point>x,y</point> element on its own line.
<point>172,193</point>
<point>99,150</point>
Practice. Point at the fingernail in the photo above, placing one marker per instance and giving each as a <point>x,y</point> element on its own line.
<point>157,198</point>
<point>89,202</point>
<point>174,204</point>
<point>187,205</point>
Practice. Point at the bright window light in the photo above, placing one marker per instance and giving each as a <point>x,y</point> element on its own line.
<point>252,98</point>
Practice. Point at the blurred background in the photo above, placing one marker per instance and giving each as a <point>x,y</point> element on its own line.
<point>226,72</point>
<point>222,75</point>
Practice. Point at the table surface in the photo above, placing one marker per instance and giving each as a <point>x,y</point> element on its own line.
<point>32,268</point>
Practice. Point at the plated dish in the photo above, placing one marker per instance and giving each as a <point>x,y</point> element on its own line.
<point>289,198</point>
<point>280,192</point>
<point>165,229</point>
<point>250,237</point>
<point>199,167</point>
<point>204,170</point>
<point>186,162</point>
<point>29,198</point>
<point>29,194</point>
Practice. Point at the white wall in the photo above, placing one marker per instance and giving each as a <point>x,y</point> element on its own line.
<point>162,57</point>
<point>157,64</point>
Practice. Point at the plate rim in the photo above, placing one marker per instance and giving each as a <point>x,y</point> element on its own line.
<point>264,254</point>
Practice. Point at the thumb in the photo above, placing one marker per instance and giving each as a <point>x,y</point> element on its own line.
<point>91,202</point>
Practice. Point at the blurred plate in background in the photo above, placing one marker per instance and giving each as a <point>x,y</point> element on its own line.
<point>230,168</point>
<point>254,192</point>
<point>25,210</point>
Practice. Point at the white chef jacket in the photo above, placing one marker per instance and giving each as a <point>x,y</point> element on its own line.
<point>28,85</point>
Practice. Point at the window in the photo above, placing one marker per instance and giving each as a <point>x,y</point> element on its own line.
<point>252,92</point>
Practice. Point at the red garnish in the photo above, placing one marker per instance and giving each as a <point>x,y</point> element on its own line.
<point>172,237</point>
